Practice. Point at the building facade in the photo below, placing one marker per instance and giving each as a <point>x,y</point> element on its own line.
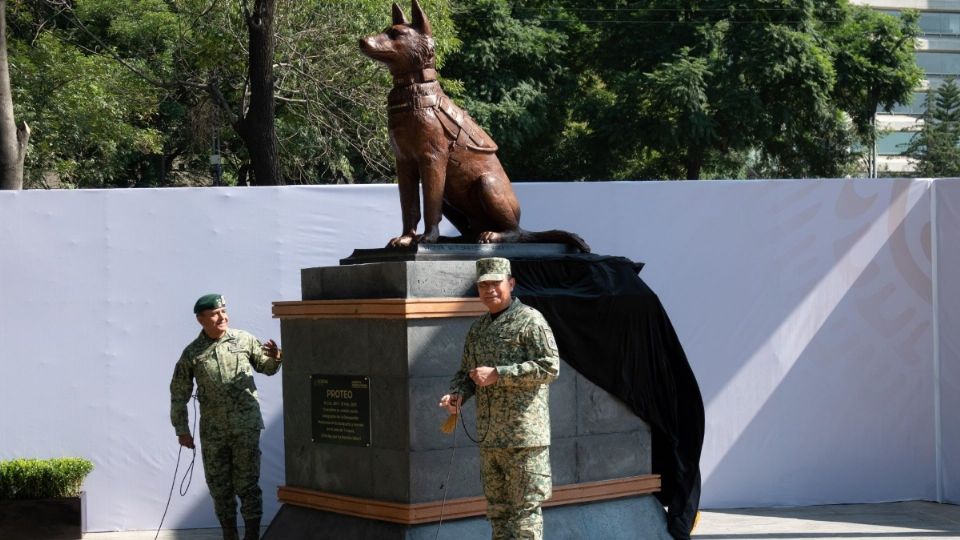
<point>938,54</point>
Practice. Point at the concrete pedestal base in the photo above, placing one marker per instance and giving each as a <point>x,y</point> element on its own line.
<point>399,325</point>
<point>620,519</point>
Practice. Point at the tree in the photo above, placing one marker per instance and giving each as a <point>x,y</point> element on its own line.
<point>97,123</point>
<point>729,77</point>
<point>873,54</point>
<point>13,138</point>
<point>172,77</point>
<point>140,92</point>
<point>936,147</point>
<point>257,125</point>
<point>513,73</point>
<point>690,89</point>
<point>253,119</point>
<point>332,118</point>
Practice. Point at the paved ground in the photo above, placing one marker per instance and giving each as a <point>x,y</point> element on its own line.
<point>893,521</point>
<point>184,534</point>
<point>900,521</point>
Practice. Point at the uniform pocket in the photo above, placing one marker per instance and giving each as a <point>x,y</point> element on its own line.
<point>209,368</point>
<point>538,477</point>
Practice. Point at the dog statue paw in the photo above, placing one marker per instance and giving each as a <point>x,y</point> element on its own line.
<point>402,241</point>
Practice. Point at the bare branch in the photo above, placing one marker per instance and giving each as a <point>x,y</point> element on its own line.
<point>224,105</point>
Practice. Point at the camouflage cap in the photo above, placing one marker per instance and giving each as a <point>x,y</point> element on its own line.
<point>493,269</point>
<point>209,301</point>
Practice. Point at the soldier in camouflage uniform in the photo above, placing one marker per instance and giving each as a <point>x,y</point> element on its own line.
<point>509,358</point>
<point>222,360</point>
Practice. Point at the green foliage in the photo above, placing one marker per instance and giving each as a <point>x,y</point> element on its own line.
<point>936,147</point>
<point>331,119</point>
<point>874,58</point>
<point>513,64</point>
<point>688,89</point>
<point>731,77</point>
<point>92,120</point>
<point>118,92</point>
<point>43,478</point>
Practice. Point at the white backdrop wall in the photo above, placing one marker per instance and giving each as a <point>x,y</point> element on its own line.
<point>806,309</point>
<point>947,359</point>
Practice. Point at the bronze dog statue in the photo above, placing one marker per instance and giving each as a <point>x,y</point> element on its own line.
<point>437,145</point>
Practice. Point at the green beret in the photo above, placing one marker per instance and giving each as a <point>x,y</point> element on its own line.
<point>209,301</point>
<point>493,269</point>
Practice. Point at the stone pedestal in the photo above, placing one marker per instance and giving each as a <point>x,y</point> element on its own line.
<point>400,325</point>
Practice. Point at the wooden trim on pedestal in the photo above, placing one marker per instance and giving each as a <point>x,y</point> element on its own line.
<point>414,514</point>
<point>379,308</point>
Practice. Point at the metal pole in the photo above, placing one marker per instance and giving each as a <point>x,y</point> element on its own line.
<point>216,167</point>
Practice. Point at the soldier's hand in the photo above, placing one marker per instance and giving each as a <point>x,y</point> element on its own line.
<point>450,402</point>
<point>484,376</point>
<point>271,349</point>
<point>186,440</point>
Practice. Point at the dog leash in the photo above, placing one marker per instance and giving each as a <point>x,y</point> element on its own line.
<point>187,475</point>
<point>446,482</point>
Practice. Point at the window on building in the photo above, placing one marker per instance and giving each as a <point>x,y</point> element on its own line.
<point>938,63</point>
<point>934,23</point>
<point>940,24</point>
<point>915,106</point>
<point>894,144</point>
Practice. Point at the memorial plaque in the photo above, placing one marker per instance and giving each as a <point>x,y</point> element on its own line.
<point>340,409</point>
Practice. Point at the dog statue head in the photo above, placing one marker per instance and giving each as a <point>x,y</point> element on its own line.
<point>404,47</point>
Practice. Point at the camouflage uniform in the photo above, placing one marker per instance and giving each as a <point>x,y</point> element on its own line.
<point>230,419</point>
<point>513,415</point>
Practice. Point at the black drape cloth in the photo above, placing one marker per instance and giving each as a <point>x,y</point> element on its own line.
<point>613,329</point>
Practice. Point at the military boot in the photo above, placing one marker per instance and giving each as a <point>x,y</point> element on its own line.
<point>251,529</point>
<point>229,531</point>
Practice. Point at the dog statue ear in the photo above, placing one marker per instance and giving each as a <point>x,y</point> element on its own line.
<point>420,19</point>
<point>398,17</point>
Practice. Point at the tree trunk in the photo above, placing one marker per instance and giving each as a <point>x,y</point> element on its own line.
<point>693,163</point>
<point>13,138</point>
<point>257,127</point>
